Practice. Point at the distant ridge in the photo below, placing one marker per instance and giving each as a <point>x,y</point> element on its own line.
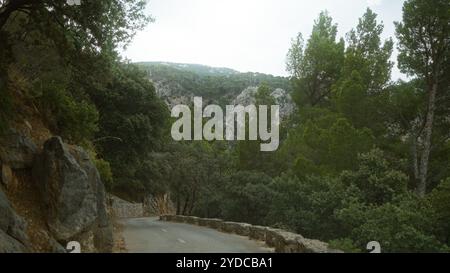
<point>196,68</point>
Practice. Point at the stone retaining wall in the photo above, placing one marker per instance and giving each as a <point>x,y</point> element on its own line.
<point>282,241</point>
<point>123,209</point>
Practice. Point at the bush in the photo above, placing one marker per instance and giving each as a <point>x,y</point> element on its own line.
<point>247,197</point>
<point>104,169</point>
<point>73,120</point>
<point>440,201</point>
<point>347,245</point>
<point>376,180</point>
<point>405,225</point>
<point>306,205</point>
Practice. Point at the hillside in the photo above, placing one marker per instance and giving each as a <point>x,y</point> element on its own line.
<point>177,83</point>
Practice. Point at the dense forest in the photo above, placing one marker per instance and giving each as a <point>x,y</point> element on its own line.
<point>363,158</point>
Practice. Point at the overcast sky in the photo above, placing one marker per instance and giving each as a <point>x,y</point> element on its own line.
<point>246,35</point>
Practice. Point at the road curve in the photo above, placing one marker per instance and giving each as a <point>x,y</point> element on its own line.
<point>149,235</point>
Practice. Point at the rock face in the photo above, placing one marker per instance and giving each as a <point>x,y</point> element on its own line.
<point>281,97</point>
<point>17,150</point>
<point>12,229</point>
<point>74,196</point>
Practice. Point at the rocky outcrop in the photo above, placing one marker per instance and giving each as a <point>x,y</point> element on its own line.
<point>280,96</point>
<point>74,196</point>
<point>12,229</point>
<point>282,241</point>
<point>17,150</point>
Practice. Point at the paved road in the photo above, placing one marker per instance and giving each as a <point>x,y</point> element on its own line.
<point>149,235</point>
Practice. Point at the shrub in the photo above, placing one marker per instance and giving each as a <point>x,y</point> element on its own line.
<point>73,120</point>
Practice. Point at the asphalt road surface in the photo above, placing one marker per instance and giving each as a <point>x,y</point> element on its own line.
<point>149,235</point>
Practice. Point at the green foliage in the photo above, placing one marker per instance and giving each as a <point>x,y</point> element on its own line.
<point>346,245</point>
<point>328,144</point>
<point>103,166</point>
<point>104,169</point>
<point>306,205</point>
<point>249,151</point>
<point>218,87</point>
<point>440,201</point>
<point>69,58</point>
<point>423,36</point>
<point>94,25</point>
<point>316,67</point>
<point>346,162</point>
<point>263,97</point>
<point>71,119</point>
<point>375,179</point>
<point>366,55</point>
<point>131,123</point>
<point>405,225</point>
<point>248,197</point>
<point>359,94</point>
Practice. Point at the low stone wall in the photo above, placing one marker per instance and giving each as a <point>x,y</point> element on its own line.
<point>123,209</point>
<point>282,241</point>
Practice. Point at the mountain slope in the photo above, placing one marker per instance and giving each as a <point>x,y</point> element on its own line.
<point>178,83</point>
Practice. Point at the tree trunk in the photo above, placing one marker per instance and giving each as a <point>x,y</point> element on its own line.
<point>178,205</point>
<point>415,161</point>
<point>186,204</point>
<point>428,130</point>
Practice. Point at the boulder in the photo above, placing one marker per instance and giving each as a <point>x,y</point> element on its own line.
<point>73,194</point>
<point>66,190</point>
<point>103,231</point>
<point>13,237</point>
<point>17,150</point>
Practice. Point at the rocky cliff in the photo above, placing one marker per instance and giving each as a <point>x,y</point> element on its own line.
<point>49,196</point>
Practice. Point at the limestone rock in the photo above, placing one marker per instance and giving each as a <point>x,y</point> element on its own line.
<point>74,195</point>
<point>65,188</point>
<point>17,150</point>
<point>12,228</point>
<point>281,97</point>
<point>10,245</point>
<point>56,247</point>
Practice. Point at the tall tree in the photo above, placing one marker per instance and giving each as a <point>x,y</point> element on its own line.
<point>316,67</point>
<point>424,45</point>
<point>367,54</point>
<point>365,74</point>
